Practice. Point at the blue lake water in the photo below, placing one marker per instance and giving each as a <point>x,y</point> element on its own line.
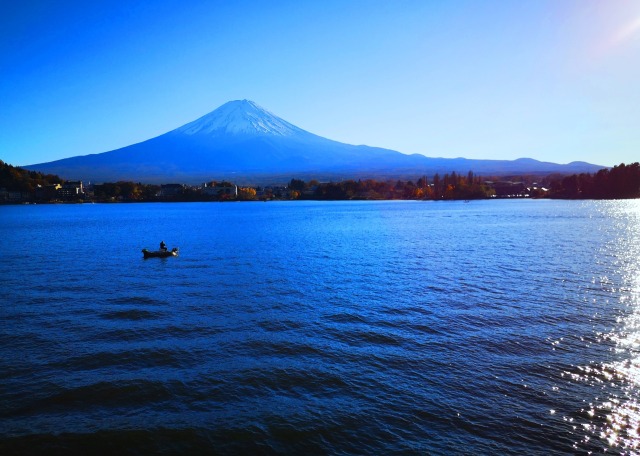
<point>504,327</point>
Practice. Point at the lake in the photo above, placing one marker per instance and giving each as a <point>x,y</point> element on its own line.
<point>391,327</point>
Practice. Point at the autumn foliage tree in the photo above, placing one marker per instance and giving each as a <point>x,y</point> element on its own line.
<point>246,193</point>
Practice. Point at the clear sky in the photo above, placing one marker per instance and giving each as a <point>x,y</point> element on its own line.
<point>554,80</point>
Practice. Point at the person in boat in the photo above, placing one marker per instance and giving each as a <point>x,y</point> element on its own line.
<point>163,246</point>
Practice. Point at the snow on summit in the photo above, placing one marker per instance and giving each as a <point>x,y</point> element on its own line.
<point>240,117</point>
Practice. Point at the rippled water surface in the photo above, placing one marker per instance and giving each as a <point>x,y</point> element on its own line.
<point>504,327</point>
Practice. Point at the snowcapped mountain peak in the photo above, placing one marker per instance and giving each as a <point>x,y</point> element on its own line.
<point>240,117</point>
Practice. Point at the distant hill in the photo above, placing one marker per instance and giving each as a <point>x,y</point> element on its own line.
<point>240,141</point>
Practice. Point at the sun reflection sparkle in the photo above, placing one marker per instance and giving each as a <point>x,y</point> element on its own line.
<point>621,379</point>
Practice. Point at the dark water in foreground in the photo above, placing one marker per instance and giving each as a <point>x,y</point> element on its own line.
<point>504,327</point>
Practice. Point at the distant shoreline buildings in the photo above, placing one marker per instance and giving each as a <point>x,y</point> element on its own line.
<point>77,192</point>
<point>623,181</point>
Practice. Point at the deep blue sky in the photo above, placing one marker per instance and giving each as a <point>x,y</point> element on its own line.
<point>555,80</point>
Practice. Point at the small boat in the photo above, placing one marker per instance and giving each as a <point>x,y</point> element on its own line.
<point>160,253</point>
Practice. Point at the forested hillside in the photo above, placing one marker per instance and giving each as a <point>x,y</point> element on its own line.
<point>622,181</point>
<point>17,179</point>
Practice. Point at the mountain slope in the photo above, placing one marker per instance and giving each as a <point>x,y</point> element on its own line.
<point>241,140</point>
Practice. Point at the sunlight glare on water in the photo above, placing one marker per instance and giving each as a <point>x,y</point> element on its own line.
<point>614,416</point>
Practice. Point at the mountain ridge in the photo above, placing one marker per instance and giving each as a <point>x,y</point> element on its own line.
<point>240,139</point>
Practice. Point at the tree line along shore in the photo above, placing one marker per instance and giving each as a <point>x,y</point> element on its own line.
<point>18,185</point>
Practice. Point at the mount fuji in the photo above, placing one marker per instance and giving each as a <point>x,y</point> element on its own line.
<point>243,142</point>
